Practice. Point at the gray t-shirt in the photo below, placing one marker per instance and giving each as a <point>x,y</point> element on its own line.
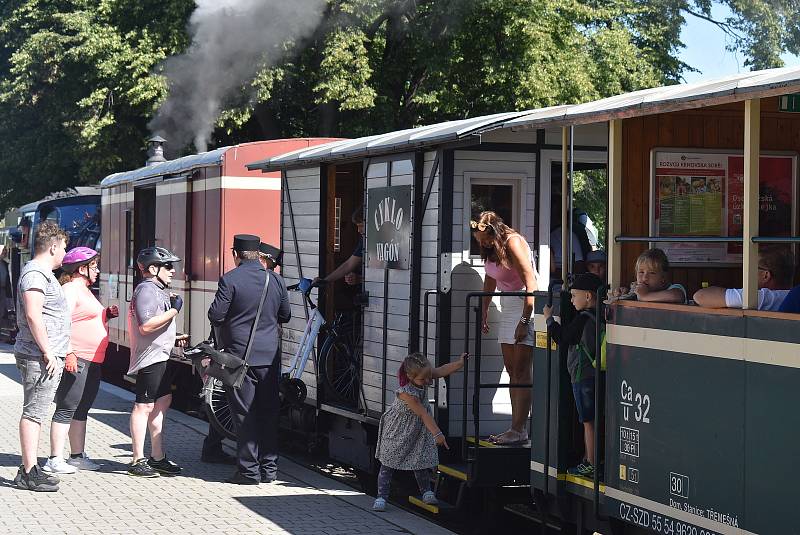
<point>149,300</point>
<point>55,312</point>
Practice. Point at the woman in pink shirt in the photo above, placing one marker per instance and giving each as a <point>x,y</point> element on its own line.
<point>81,378</point>
<point>509,268</point>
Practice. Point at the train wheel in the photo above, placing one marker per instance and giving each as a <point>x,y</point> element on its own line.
<point>340,371</point>
<point>217,408</point>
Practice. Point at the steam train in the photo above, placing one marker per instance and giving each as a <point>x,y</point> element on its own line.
<point>689,436</point>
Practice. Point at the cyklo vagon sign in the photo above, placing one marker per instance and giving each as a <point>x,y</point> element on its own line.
<point>389,227</point>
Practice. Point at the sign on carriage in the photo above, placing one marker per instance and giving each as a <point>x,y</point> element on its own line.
<point>389,227</point>
<point>702,194</point>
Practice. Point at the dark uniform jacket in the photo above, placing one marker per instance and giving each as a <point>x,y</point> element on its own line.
<point>234,309</point>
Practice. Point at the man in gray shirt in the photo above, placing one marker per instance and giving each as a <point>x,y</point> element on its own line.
<point>42,344</point>
<point>151,324</point>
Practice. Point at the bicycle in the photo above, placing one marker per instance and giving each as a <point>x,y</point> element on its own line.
<point>339,365</point>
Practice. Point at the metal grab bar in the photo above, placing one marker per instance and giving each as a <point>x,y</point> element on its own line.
<point>679,239</point>
<point>476,357</point>
<point>548,372</point>
<point>599,396</point>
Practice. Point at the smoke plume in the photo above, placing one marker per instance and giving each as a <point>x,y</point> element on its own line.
<point>231,41</point>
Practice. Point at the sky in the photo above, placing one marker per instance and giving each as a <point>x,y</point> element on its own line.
<point>705,49</point>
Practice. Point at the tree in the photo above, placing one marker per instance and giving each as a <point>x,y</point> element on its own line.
<point>80,79</point>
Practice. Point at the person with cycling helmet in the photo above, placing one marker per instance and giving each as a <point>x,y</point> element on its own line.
<point>151,324</point>
<point>81,378</point>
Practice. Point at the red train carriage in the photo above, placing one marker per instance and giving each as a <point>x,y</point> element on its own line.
<point>192,206</point>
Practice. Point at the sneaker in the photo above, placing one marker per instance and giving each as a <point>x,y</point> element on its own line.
<point>430,498</point>
<point>140,468</point>
<point>379,505</point>
<point>83,462</point>
<point>36,480</point>
<point>57,465</point>
<point>585,469</point>
<point>165,466</point>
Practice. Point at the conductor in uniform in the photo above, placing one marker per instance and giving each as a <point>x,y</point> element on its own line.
<point>255,405</point>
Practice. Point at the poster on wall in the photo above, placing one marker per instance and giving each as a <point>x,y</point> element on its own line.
<point>389,227</point>
<point>702,194</point>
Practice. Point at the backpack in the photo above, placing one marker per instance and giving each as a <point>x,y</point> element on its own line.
<point>585,350</point>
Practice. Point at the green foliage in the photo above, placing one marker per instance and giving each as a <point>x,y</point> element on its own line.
<point>79,79</point>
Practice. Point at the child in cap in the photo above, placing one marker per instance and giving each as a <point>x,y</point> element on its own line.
<point>580,335</point>
<point>652,281</point>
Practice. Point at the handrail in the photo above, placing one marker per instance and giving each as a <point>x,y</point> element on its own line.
<point>706,239</point>
<point>548,372</point>
<point>425,334</point>
<point>599,397</point>
<point>476,357</point>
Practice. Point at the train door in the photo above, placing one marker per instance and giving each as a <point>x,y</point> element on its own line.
<point>144,224</point>
<point>343,206</point>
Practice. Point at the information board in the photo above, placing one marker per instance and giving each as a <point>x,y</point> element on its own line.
<point>702,194</point>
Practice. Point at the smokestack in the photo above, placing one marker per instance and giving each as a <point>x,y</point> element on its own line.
<point>155,150</point>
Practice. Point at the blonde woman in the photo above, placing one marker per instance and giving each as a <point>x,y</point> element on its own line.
<point>508,261</point>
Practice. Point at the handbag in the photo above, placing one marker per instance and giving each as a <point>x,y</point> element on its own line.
<point>229,369</point>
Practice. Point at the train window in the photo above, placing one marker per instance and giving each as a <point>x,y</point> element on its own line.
<point>498,195</point>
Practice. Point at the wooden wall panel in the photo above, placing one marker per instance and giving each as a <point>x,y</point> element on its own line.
<point>720,127</point>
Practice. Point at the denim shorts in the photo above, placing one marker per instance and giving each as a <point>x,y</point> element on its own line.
<point>37,387</point>
<point>583,391</point>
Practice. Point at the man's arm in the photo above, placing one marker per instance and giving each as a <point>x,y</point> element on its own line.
<point>285,310</point>
<point>34,304</point>
<point>222,302</point>
<point>711,297</point>
<point>348,266</point>
<point>158,322</point>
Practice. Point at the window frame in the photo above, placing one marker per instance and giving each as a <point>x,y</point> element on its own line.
<point>518,183</point>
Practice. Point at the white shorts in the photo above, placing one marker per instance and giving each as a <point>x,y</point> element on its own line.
<point>510,311</point>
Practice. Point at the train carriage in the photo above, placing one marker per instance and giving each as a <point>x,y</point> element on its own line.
<point>698,430</point>
<point>193,206</point>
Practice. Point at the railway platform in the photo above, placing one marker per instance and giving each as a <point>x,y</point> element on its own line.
<point>111,502</point>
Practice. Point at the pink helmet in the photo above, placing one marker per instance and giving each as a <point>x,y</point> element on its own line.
<point>77,257</point>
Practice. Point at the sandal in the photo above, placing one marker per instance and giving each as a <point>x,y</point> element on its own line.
<point>509,438</point>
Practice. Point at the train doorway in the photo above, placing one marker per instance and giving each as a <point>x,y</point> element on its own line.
<point>144,224</point>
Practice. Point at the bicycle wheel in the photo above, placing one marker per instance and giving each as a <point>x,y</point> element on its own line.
<point>340,370</point>
<point>218,409</point>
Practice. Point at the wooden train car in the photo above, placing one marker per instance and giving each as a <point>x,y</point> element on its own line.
<point>701,463</point>
<point>193,206</point>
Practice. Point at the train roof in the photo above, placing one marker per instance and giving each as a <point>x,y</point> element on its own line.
<point>77,191</point>
<point>195,161</point>
<point>734,88</point>
<point>170,167</point>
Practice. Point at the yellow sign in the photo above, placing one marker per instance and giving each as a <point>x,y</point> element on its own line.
<point>541,341</point>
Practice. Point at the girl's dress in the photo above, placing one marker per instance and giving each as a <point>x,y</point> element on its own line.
<point>404,443</point>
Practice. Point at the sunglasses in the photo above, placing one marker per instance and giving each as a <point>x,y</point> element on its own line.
<point>480,227</point>
<point>168,266</point>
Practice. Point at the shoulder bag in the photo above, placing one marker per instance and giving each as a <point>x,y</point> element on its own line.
<point>227,367</point>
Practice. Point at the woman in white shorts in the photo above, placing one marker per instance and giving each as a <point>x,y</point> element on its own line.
<point>509,268</point>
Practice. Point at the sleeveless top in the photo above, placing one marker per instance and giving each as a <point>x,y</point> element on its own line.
<point>508,279</point>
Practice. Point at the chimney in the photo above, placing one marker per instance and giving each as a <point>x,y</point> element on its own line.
<point>155,150</point>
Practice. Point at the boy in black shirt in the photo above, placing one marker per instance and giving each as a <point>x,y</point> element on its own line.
<point>580,336</point>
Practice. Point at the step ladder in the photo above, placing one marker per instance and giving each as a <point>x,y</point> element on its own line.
<point>448,478</point>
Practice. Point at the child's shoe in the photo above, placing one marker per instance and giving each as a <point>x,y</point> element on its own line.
<point>379,505</point>
<point>430,498</point>
<point>585,469</point>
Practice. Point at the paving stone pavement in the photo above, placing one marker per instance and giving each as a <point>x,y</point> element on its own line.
<point>111,502</point>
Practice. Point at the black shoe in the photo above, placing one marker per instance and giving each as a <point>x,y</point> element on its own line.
<point>238,479</point>
<point>36,480</point>
<point>218,457</point>
<point>140,468</point>
<point>164,466</point>
<point>268,479</point>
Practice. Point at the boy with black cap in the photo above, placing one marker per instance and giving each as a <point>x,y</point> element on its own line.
<point>580,336</point>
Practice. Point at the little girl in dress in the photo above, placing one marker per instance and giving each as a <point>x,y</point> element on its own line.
<point>408,434</point>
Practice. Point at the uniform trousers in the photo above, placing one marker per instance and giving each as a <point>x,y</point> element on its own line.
<point>255,407</point>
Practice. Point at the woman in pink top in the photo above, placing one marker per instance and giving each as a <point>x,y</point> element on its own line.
<point>81,378</point>
<point>509,268</point>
